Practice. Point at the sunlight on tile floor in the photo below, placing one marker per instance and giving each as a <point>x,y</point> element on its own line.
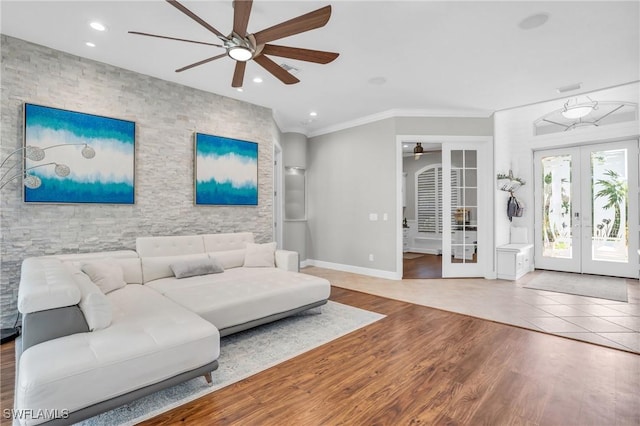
<point>604,322</point>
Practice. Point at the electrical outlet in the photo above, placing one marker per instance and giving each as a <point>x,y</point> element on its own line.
<point>371,258</point>
<point>385,216</point>
<point>373,217</point>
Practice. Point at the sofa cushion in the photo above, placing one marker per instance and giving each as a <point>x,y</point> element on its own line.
<point>260,255</point>
<point>227,241</point>
<point>94,305</point>
<point>157,267</point>
<point>169,245</point>
<point>193,267</point>
<point>230,258</point>
<point>150,339</point>
<point>241,295</point>
<point>45,283</point>
<point>131,268</point>
<point>106,274</point>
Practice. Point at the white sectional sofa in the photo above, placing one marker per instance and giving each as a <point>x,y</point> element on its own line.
<point>83,352</point>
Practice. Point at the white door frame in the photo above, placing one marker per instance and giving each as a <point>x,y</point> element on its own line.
<point>582,261</point>
<point>485,190</point>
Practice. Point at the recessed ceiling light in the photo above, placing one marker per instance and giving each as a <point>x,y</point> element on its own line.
<point>405,146</point>
<point>313,114</point>
<point>257,80</point>
<point>240,89</point>
<point>534,21</point>
<point>98,26</point>
<point>378,81</point>
<point>90,44</point>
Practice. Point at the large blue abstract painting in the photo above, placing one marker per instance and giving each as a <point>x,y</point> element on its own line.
<point>77,158</point>
<point>226,171</point>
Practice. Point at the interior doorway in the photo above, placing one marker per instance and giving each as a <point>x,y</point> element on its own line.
<point>422,210</point>
<point>455,222</point>
<point>587,209</point>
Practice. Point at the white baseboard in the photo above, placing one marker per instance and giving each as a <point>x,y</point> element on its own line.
<point>378,273</point>
<point>304,263</point>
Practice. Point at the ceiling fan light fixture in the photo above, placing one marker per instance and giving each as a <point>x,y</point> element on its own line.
<point>418,150</point>
<point>240,53</point>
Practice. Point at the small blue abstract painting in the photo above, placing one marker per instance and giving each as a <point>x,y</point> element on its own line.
<point>226,171</point>
<point>72,157</point>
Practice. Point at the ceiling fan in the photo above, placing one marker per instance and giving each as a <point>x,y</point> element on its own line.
<point>243,46</point>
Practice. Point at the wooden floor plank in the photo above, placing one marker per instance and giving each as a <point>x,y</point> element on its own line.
<point>423,366</point>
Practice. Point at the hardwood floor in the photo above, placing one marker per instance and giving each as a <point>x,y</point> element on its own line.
<point>424,366</point>
<point>425,266</point>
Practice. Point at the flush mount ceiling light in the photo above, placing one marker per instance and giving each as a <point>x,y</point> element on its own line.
<point>313,114</point>
<point>90,44</point>
<point>572,109</point>
<point>575,114</point>
<point>257,80</point>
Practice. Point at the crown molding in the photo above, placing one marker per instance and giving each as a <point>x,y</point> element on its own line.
<point>397,113</point>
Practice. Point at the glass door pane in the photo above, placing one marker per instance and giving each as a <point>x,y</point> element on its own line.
<point>464,206</point>
<point>467,175</point>
<point>556,207</point>
<point>609,201</point>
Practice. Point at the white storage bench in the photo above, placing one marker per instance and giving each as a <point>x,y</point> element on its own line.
<point>514,260</point>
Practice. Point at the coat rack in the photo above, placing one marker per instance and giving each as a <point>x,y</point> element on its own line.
<point>511,184</point>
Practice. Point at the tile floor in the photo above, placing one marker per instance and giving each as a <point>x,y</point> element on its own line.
<point>604,322</point>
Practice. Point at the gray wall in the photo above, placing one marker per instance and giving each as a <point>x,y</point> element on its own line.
<point>166,116</point>
<point>352,174</point>
<point>294,154</point>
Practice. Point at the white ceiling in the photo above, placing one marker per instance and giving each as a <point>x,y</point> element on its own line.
<point>438,58</point>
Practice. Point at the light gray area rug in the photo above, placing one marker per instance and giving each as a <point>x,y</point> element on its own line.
<point>247,353</point>
<point>609,288</point>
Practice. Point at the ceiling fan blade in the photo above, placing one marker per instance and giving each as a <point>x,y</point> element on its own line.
<point>238,74</point>
<point>241,13</point>
<point>308,55</point>
<point>275,69</point>
<point>302,23</point>
<point>204,61</point>
<point>195,17</point>
<point>174,38</point>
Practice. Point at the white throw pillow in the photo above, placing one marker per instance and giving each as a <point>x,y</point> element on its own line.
<point>229,258</point>
<point>260,255</point>
<point>95,306</point>
<point>106,274</point>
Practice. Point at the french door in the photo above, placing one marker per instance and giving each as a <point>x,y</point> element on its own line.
<point>465,209</point>
<point>586,209</point>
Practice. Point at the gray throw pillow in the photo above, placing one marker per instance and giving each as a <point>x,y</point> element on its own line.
<point>195,267</point>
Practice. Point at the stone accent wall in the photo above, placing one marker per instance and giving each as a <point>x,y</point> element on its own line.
<point>166,116</point>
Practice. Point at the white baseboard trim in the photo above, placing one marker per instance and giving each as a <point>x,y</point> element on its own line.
<point>378,273</point>
<point>304,263</point>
